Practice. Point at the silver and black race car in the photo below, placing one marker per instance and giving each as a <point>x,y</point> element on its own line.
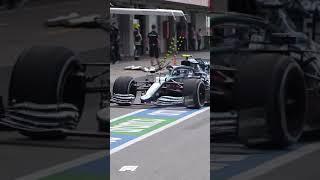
<point>265,74</point>
<point>187,84</point>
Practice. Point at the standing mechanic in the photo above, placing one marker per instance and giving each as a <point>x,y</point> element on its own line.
<point>137,43</point>
<point>153,37</point>
<point>199,38</point>
<point>114,39</point>
<point>193,37</point>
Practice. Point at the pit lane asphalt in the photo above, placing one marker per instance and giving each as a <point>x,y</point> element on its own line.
<point>232,160</point>
<point>179,152</point>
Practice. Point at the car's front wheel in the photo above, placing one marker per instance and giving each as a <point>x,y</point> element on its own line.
<point>194,93</point>
<point>125,89</point>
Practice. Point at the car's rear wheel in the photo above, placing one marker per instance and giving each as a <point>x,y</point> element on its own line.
<point>276,84</point>
<point>194,93</point>
<point>48,75</point>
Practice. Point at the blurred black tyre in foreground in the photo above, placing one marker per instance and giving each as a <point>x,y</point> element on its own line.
<point>275,84</point>
<point>48,75</point>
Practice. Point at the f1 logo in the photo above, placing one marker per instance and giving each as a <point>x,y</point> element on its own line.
<point>128,168</point>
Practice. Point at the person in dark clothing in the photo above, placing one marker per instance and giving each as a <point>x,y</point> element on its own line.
<point>114,39</point>
<point>199,38</point>
<point>183,41</point>
<point>193,39</point>
<point>153,37</point>
<point>137,43</point>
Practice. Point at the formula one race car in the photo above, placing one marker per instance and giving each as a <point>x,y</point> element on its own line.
<point>187,84</point>
<point>266,76</point>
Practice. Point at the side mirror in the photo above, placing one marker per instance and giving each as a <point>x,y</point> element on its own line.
<point>282,38</point>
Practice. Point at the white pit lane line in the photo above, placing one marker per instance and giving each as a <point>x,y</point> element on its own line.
<point>123,116</point>
<point>277,162</point>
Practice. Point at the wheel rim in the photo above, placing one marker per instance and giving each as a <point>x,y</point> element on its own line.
<point>132,88</point>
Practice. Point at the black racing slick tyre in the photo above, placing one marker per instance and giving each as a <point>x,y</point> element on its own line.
<point>124,85</point>
<point>48,75</point>
<point>275,84</point>
<point>194,93</point>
